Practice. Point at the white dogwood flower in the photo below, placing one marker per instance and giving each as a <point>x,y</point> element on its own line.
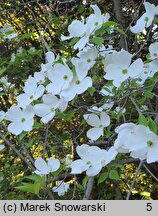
<point>98,125</point>
<point>60,77</point>
<point>61,188</point>
<point>121,68</point>
<point>32,92</point>
<point>84,30</point>
<point>146,19</point>
<point>153,49</point>
<point>48,108</point>
<point>2,115</point>
<point>21,119</point>
<point>44,168</point>
<point>93,159</point>
<point>80,83</point>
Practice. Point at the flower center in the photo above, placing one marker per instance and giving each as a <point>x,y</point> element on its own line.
<point>77,82</point>
<point>96,23</point>
<point>88,163</point>
<point>124,71</point>
<point>146,19</point>
<point>88,60</point>
<point>52,110</point>
<point>23,120</point>
<point>31,97</point>
<point>155,54</point>
<point>100,126</point>
<point>65,77</point>
<point>150,143</point>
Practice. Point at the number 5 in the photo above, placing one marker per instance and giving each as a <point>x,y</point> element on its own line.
<point>149,206</point>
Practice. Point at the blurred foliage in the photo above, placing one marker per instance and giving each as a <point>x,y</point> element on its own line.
<point>39,25</point>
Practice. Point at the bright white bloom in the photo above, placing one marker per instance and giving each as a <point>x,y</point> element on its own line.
<point>47,109</point>
<point>146,19</point>
<point>98,125</point>
<point>83,31</point>
<point>121,68</point>
<point>1,89</point>
<point>2,115</point>
<point>32,92</point>
<point>78,29</point>
<point>88,56</point>
<point>44,168</point>
<point>95,21</point>
<point>2,147</point>
<point>62,188</point>
<point>21,120</point>
<point>40,77</point>
<point>124,133</point>
<point>93,159</point>
<point>60,77</point>
<point>153,49</point>
<point>108,105</point>
<point>139,140</point>
<point>80,83</point>
<point>50,58</point>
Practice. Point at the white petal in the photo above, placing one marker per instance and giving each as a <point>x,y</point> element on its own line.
<point>78,166</point>
<point>76,28</point>
<point>53,164</point>
<point>83,85</point>
<point>15,128</point>
<point>93,120</point>
<point>81,43</point>
<point>41,166</point>
<point>27,126</point>
<point>23,100</point>
<point>135,68</point>
<point>82,151</point>
<point>50,57</point>
<point>45,119</point>
<point>13,114</point>
<point>94,133</point>
<point>152,155</point>
<point>39,92</point>
<point>105,119</point>
<point>41,109</point>
<point>140,25</point>
<point>94,170</point>
<point>50,100</point>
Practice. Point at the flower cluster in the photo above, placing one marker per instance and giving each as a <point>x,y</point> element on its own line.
<point>140,141</point>
<point>59,81</point>
<point>146,19</point>
<point>93,159</point>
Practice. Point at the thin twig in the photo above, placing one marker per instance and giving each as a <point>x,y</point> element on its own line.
<point>16,151</point>
<point>134,180</point>
<point>150,172</point>
<point>89,188</point>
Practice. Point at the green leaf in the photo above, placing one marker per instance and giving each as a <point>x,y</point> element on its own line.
<point>152,125</point>
<point>97,41</point>
<point>65,116</point>
<point>74,41</point>
<point>22,135</point>
<point>85,181</point>
<point>2,70</point>
<point>91,91</point>
<point>142,120</point>
<point>103,177</point>
<point>114,175</point>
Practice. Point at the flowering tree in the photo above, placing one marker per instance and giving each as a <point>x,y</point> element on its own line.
<point>89,109</point>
